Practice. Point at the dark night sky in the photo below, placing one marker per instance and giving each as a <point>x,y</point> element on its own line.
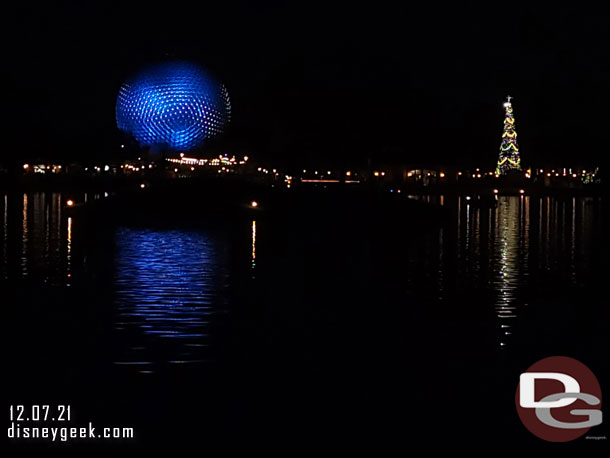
<point>311,82</point>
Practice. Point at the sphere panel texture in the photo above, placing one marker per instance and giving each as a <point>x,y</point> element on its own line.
<point>173,104</point>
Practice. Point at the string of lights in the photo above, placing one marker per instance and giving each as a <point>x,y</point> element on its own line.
<point>509,151</point>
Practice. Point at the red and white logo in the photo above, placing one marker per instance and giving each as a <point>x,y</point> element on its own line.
<point>559,399</point>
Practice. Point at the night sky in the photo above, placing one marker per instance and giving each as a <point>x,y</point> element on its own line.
<point>313,83</point>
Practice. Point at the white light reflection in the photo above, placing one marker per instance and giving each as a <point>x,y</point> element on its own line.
<point>69,252</point>
<point>253,265</point>
<point>24,237</point>
<point>510,257</point>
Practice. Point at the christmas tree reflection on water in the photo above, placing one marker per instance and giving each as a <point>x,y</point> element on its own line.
<point>510,258</point>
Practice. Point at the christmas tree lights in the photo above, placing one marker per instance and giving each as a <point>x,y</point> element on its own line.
<point>509,150</point>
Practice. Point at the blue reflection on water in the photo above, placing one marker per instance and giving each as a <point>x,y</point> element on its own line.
<point>166,291</point>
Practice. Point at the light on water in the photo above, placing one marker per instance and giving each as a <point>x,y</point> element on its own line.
<point>169,285</point>
<point>166,293</point>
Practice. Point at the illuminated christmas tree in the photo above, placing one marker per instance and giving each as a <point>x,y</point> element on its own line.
<point>509,151</point>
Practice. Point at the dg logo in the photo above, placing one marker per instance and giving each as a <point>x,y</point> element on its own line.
<point>559,399</point>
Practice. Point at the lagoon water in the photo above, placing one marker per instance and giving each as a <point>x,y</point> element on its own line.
<point>258,330</point>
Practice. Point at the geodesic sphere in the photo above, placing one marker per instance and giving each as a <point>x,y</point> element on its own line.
<point>175,104</point>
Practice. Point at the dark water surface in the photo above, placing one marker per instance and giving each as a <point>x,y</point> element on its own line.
<point>303,329</point>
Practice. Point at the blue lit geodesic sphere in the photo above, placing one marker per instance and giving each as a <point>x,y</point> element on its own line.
<point>176,105</point>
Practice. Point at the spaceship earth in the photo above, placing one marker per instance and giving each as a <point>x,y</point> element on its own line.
<point>174,104</point>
